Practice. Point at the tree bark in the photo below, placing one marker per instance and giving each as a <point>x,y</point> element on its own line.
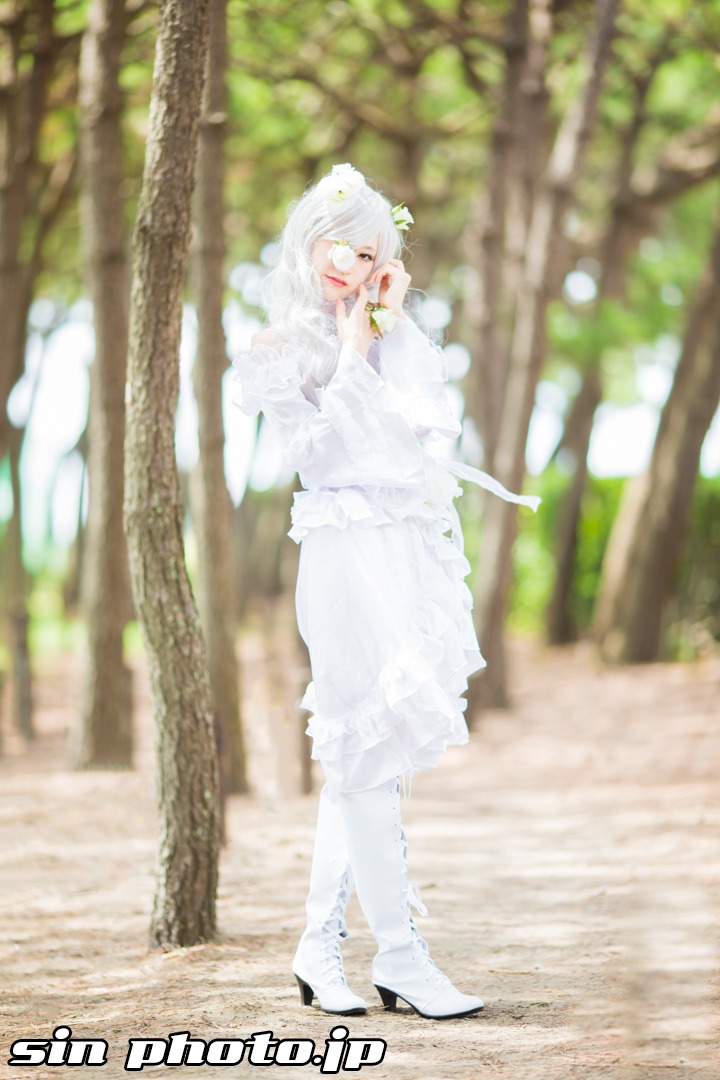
<point>527,354</point>
<point>646,541</point>
<point>103,736</point>
<point>212,505</point>
<point>527,167</point>
<point>16,599</point>
<point>29,51</point>
<point>561,625</point>
<point>185,896</point>
<point>22,109</point>
<point>486,243</point>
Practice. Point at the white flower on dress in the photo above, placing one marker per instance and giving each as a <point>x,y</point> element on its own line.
<point>441,487</point>
<point>342,255</point>
<point>341,184</point>
<point>383,319</point>
<point>402,217</point>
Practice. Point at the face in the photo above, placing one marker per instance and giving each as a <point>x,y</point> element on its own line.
<point>337,284</point>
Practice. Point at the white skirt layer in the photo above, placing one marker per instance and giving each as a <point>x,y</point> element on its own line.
<point>387,618</point>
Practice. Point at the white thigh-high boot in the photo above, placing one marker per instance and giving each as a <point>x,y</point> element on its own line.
<point>318,965</point>
<point>402,967</point>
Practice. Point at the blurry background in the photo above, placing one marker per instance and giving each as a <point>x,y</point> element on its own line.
<point>562,161</point>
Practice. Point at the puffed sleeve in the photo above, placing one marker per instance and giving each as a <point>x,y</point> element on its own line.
<point>415,368</point>
<point>356,436</point>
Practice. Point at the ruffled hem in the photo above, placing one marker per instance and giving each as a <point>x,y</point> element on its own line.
<point>364,506</point>
<point>415,710</point>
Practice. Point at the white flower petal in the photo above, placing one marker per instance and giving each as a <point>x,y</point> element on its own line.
<point>342,256</point>
<point>341,184</point>
<point>402,217</point>
<point>385,320</point>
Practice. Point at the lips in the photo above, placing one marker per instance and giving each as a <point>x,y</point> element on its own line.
<point>336,281</point>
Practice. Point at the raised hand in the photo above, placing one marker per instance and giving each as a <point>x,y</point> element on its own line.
<point>355,329</point>
<point>394,282</point>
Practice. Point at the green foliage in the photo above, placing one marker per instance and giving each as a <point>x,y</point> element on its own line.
<point>617,335</point>
<point>406,95</point>
<point>50,629</point>
<point>534,555</point>
<point>599,509</point>
<point>693,617</point>
<point>70,17</point>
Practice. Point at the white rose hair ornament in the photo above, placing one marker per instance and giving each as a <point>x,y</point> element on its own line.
<point>402,217</point>
<point>343,183</point>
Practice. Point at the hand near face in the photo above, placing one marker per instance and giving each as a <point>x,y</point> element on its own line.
<point>354,328</point>
<point>394,282</point>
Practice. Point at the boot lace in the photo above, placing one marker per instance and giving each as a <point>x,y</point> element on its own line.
<point>421,950</point>
<point>333,930</point>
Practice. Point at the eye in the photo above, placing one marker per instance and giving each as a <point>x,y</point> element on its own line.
<point>365,255</point>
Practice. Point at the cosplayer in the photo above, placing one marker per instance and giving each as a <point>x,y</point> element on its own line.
<point>355,391</point>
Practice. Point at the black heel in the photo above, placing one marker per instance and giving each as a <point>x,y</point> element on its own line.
<point>388,998</point>
<point>306,993</point>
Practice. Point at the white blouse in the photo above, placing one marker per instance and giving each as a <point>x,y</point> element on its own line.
<point>360,447</point>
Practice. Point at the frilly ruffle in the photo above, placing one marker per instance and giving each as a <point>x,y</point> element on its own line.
<point>411,384</point>
<point>415,711</point>
<point>265,374</point>
<point>367,506</point>
<point>358,436</point>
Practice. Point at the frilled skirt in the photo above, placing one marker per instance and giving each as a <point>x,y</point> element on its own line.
<point>387,618</point>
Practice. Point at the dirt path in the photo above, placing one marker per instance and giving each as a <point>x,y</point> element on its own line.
<point>569,857</point>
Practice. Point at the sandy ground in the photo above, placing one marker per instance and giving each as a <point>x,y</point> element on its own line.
<point>569,858</point>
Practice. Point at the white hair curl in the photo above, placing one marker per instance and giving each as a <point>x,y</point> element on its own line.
<point>292,291</point>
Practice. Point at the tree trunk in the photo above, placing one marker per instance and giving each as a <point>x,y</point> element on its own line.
<point>71,587</point>
<point>22,109</point>
<point>528,164</point>
<point>561,626</point>
<point>103,736</point>
<point>212,505</point>
<point>646,541</point>
<point>17,590</point>
<point>27,210</point>
<point>527,354</point>
<point>486,243</point>
<point>185,897</point>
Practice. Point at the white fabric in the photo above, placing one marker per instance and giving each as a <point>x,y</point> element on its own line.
<point>381,599</point>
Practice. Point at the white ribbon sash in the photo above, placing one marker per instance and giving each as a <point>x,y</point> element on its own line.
<point>489,483</point>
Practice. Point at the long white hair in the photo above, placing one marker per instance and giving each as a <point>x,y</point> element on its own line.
<point>292,291</point>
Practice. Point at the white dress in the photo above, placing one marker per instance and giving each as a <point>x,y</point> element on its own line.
<point>381,599</point>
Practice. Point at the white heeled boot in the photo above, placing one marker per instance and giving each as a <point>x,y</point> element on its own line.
<point>402,967</point>
<point>318,965</point>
